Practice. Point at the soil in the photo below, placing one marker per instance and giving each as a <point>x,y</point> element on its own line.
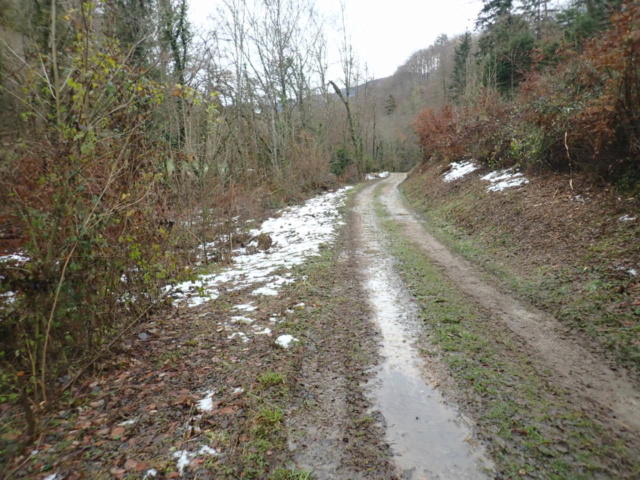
<point>333,433</point>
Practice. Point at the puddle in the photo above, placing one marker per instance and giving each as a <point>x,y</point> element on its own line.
<point>429,439</point>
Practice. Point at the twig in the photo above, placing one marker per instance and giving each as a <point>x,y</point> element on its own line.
<point>111,344</point>
<point>566,146</point>
<point>50,322</point>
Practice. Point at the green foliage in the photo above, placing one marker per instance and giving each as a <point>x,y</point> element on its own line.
<point>460,68</point>
<point>390,105</point>
<point>290,474</point>
<point>505,53</point>
<point>494,11</point>
<point>87,200</point>
<point>342,158</point>
<point>270,379</point>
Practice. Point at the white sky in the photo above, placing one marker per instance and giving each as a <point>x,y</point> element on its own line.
<point>383,33</point>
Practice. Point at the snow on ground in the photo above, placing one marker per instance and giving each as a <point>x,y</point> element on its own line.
<point>459,170</point>
<point>242,319</point>
<point>206,404</point>
<point>185,456</point>
<point>503,179</point>
<point>9,297</point>
<point>265,331</point>
<point>242,336</point>
<point>246,307</point>
<point>580,198</point>
<point>297,234</point>
<point>285,341</point>
<point>373,176</point>
<point>627,218</point>
<point>16,257</point>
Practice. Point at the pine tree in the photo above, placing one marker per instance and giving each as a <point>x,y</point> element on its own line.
<point>493,11</point>
<point>390,105</point>
<point>460,59</point>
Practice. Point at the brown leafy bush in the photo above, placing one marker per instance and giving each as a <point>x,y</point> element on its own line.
<point>583,113</point>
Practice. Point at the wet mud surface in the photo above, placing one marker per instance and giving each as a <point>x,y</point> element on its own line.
<point>332,432</point>
<point>429,438</point>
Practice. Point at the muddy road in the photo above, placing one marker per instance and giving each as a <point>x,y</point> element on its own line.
<point>576,368</point>
<point>428,438</point>
<point>427,435</point>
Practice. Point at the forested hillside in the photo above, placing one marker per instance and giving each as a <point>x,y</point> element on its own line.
<point>544,86</point>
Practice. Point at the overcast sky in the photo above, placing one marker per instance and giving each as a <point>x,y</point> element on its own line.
<point>384,33</point>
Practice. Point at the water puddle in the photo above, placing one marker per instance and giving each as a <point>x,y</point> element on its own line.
<point>429,439</point>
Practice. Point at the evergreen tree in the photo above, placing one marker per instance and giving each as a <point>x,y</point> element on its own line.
<point>506,45</point>
<point>390,105</point>
<point>460,59</point>
<point>493,11</point>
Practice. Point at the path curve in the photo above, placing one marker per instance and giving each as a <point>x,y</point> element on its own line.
<point>578,369</point>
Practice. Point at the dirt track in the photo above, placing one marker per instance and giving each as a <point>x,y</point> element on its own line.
<point>577,369</point>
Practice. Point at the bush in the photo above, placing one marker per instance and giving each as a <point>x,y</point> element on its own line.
<point>579,113</point>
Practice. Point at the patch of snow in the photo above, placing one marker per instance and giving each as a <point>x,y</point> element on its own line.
<point>503,179</point>
<point>627,218</point>
<point>9,297</point>
<point>53,476</point>
<point>206,404</point>
<point>238,390</point>
<point>459,170</point>
<point>15,257</point>
<point>266,331</point>
<point>299,305</point>
<point>206,450</point>
<point>373,176</point>
<point>297,234</point>
<point>241,335</point>
<point>633,272</point>
<point>265,291</point>
<point>285,341</point>
<point>128,422</point>
<point>273,319</point>
<point>241,319</point>
<point>150,474</point>
<point>185,457</point>
<point>246,307</point>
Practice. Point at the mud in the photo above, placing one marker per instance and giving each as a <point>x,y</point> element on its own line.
<point>583,373</point>
<point>331,432</point>
<point>429,438</point>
